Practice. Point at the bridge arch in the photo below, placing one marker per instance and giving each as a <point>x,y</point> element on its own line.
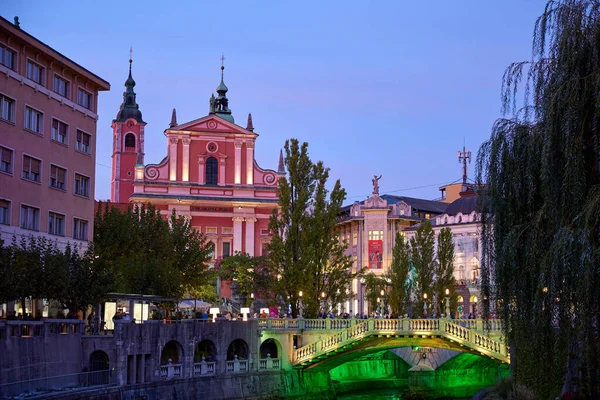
<point>270,347</point>
<point>99,367</point>
<point>207,349</point>
<point>239,348</point>
<point>171,353</point>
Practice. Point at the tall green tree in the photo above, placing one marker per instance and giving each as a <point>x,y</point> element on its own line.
<point>246,275</point>
<point>541,209</point>
<point>149,253</point>
<point>305,253</point>
<point>422,247</point>
<point>373,285</point>
<point>397,275</point>
<point>444,268</point>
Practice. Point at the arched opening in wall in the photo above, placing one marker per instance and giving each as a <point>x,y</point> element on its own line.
<point>212,171</point>
<point>237,348</point>
<point>130,142</point>
<point>473,300</point>
<point>205,349</point>
<point>172,353</point>
<point>99,368</point>
<point>270,347</point>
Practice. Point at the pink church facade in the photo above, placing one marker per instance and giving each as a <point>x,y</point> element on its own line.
<point>209,174</point>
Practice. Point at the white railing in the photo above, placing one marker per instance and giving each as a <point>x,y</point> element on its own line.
<point>169,371</point>
<point>204,368</point>
<point>235,366</point>
<point>269,364</point>
<point>449,329</point>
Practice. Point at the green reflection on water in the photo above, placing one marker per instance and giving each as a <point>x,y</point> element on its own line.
<point>385,394</point>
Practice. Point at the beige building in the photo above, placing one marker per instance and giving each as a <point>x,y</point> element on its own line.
<point>48,115</point>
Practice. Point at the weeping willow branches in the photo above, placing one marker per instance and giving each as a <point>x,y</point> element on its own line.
<point>541,238</point>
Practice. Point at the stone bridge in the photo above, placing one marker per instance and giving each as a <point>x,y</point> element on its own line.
<point>246,358</point>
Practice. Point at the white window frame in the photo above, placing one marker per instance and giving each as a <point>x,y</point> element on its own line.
<point>80,100</point>
<point>27,178</point>
<point>76,185</point>
<point>27,116</point>
<point>8,212</point>
<point>54,214</point>
<point>14,59</point>
<point>35,64</point>
<point>79,146</point>
<point>67,94</point>
<point>36,218</point>
<point>11,115</point>
<point>11,165</point>
<point>64,188</point>
<point>83,234</point>
<point>55,135</point>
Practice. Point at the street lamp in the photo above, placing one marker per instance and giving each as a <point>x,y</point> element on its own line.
<point>448,303</point>
<point>300,306</point>
<point>252,303</point>
<point>323,303</point>
<point>382,302</point>
<point>362,296</point>
<point>424,305</point>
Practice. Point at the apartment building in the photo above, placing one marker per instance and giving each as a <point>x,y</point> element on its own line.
<point>48,116</point>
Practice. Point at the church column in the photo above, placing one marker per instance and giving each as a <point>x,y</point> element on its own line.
<point>238,162</point>
<point>250,163</point>
<point>222,164</point>
<point>185,173</point>
<point>250,235</point>
<point>237,234</point>
<point>201,162</point>
<point>173,158</point>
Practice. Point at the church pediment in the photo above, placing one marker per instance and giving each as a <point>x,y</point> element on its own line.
<point>212,124</point>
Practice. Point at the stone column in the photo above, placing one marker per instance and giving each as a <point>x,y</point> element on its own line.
<point>238,162</point>
<point>222,164</point>
<point>249,235</point>
<point>250,163</point>
<point>237,234</point>
<point>173,158</point>
<point>185,171</point>
<point>201,165</point>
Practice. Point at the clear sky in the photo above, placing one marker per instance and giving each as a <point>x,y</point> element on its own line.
<point>375,87</point>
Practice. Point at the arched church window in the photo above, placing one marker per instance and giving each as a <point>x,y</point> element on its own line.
<point>130,141</point>
<point>212,171</point>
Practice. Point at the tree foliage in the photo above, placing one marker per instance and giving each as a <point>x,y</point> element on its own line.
<point>247,275</point>
<point>150,254</point>
<point>305,253</point>
<point>541,209</point>
<point>397,274</point>
<point>443,271</point>
<point>423,257</point>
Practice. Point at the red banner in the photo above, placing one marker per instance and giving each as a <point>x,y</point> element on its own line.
<point>375,254</point>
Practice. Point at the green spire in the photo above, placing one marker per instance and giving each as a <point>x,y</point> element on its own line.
<point>219,105</point>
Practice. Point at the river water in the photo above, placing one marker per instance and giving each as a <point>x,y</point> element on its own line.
<point>383,394</point>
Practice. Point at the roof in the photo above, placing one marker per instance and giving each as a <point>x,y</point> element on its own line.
<point>435,207</point>
<point>463,205</point>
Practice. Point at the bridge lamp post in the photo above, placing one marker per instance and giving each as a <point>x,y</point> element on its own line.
<point>252,303</point>
<point>323,295</point>
<point>300,305</point>
<point>424,305</point>
<point>382,293</point>
<point>362,296</point>
<point>448,303</point>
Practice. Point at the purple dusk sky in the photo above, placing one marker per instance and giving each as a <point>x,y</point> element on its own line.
<point>374,87</point>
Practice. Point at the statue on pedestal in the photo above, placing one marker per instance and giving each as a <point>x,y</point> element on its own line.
<point>375,181</point>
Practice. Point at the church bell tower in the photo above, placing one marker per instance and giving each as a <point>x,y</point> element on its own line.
<point>128,143</point>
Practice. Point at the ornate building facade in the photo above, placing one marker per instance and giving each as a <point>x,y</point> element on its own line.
<point>209,174</point>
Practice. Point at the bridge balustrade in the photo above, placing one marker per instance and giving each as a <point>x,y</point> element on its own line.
<point>269,364</point>
<point>236,365</point>
<point>205,368</point>
<point>170,371</point>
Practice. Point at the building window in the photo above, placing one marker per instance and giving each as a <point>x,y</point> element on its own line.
<point>82,185</point>
<point>83,142</point>
<point>354,239</point>
<point>211,246</point>
<point>7,57</point>
<point>4,212</point>
<point>375,235</point>
<point>33,120</point>
<point>30,218</point>
<point>57,177</point>
<point>130,142</point>
<point>264,249</point>
<point>31,168</point>
<point>84,99</point>
<point>6,163</point>
<point>60,131</point>
<point>80,229</point>
<point>226,249</point>
<point>56,224</point>
<point>212,171</point>
<point>61,86</point>
<point>7,108</point>
<point>35,72</point>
